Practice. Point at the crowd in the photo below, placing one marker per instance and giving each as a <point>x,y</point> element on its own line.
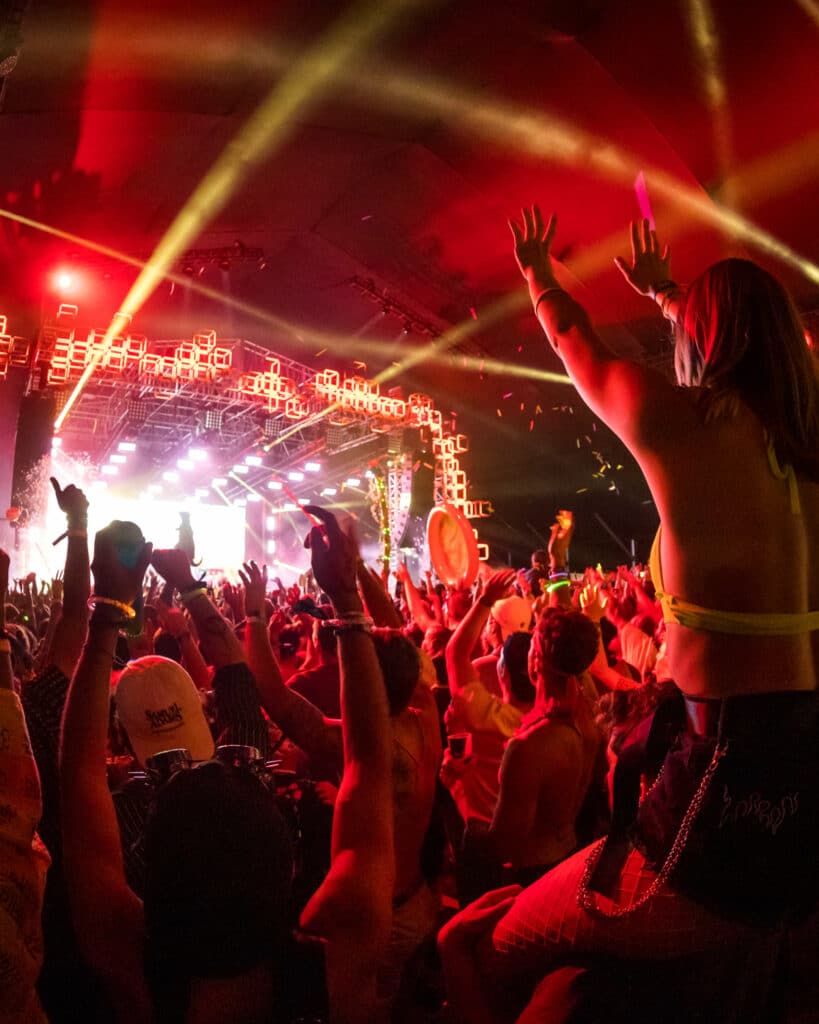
<point>550,796</point>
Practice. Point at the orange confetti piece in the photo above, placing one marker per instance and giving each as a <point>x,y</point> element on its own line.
<point>531,426</point>
<point>499,412</point>
<point>582,490</point>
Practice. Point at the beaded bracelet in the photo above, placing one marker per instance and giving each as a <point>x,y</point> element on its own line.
<point>94,600</point>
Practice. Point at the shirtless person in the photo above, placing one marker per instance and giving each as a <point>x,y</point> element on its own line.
<point>548,764</point>
<point>408,677</point>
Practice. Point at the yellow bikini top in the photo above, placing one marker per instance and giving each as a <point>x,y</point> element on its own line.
<point>743,623</point>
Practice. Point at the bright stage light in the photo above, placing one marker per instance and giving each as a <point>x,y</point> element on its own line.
<point>185,464</point>
<point>154,488</point>
<point>240,503</point>
<point>353,481</point>
<point>274,485</point>
<point>218,481</point>
<point>288,506</point>
<point>240,469</point>
<point>304,501</point>
<point>271,547</point>
<point>270,523</point>
<point>254,497</point>
<point>110,470</point>
<point>253,460</point>
<point>295,476</point>
<point>65,282</point>
<point>201,492</point>
<point>313,467</point>
<point>329,492</point>
<point>198,455</point>
<point>119,460</point>
<point>126,446</point>
<point>171,476</point>
<point>56,442</point>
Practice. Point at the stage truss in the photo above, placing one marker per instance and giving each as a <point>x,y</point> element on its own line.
<point>235,397</point>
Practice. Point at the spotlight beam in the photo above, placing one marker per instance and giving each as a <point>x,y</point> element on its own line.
<point>706,42</point>
<point>266,128</point>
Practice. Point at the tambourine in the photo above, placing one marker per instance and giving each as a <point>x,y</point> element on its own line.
<point>453,550</point>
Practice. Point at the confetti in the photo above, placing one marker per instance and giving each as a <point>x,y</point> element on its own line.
<point>499,412</point>
<point>594,427</point>
<point>582,490</point>
<point>473,312</point>
<point>522,406</point>
<point>520,348</point>
<point>359,365</point>
<point>480,368</point>
<point>508,394</point>
<point>578,442</point>
<point>619,467</point>
<point>367,216</point>
<point>538,410</point>
<point>320,353</point>
<point>531,426</point>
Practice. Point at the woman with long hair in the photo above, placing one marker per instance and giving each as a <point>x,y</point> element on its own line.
<point>725,842</point>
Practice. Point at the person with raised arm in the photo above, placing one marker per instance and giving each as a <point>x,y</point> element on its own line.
<point>488,719</point>
<point>731,454</point>
<point>212,940</point>
<point>416,755</point>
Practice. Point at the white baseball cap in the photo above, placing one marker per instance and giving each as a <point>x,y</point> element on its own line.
<point>513,615</point>
<point>160,709</point>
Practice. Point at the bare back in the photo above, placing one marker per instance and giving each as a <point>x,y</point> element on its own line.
<point>730,541</point>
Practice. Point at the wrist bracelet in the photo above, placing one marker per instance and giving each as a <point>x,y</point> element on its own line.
<point>555,586</point>
<point>665,302</point>
<point>559,575</point>
<point>77,533</point>
<point>364,625</point>
<point>544,293</point>
<point>663,286</point>
<point>126,609</point>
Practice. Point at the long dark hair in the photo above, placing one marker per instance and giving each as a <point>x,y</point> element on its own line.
<point>741,338</point>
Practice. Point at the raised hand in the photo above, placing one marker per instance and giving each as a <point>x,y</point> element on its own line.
<point>174,566</point>
<point>533,243</point>
<point>57,588</point>
<point>498,586</point>
<point>72,501</point>
<point>650,265</point>
<point>334,556</point>
<point>254,581</point>
<point>593,602</point>
<point>121,556</point>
